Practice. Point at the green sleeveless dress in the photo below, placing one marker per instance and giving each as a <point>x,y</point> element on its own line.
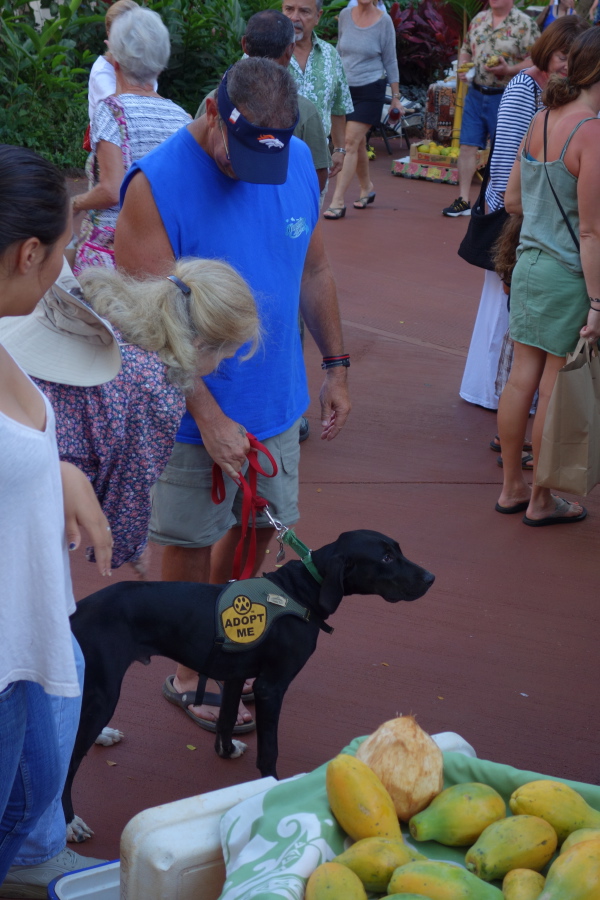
<point>548,299</point>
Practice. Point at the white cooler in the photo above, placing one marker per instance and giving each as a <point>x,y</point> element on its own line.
<point>170,852</point>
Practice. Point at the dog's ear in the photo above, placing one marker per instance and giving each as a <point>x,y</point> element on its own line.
<point>332,589</point>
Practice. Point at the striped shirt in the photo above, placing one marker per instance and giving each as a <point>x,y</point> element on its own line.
<point>150,121</point>
<point>520,101</point>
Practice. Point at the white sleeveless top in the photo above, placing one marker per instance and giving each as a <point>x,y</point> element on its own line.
<point>36,595</point>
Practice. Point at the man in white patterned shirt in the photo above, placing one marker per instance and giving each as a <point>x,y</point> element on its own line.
<point>319,74</point>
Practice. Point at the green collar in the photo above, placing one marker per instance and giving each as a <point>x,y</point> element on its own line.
<point>290,538</point>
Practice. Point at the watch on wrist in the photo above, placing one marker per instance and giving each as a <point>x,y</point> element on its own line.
<point>339,150</point>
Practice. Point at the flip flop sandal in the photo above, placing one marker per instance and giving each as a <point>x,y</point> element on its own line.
<point>510,510</point>
<point>555,519</point>
<point>526,462</point>
<point>363,202</point>
<point>210,699</point>
<point>334,212</point>
<point>495,445</point>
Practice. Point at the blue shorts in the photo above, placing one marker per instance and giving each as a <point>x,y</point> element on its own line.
<point>480,115</point>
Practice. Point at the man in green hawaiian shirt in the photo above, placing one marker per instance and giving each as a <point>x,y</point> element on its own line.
<point>497,44</point>
<point>319,74</point>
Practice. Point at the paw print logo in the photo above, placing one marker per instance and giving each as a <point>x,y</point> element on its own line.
<point>242,605</point>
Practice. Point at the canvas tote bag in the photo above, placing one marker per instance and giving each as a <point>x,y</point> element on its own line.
<point>570,452</point>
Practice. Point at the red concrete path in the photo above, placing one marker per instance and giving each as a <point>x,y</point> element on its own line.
<point>503,649</point>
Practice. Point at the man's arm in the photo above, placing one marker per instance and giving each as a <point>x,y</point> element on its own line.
<point>320,311</point>
<point>338,137</point>
<point>142,247</point>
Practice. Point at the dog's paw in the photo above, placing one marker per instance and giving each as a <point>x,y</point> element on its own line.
<point>109,736</point>
<point>239,748</point>
<point>78,831</point>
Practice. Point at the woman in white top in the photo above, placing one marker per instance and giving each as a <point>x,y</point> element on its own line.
<point>42,504</point>
<point>125,127</point>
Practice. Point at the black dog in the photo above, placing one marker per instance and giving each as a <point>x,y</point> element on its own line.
<point>135,620</point>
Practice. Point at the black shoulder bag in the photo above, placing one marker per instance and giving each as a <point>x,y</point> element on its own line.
<point>484,228</point>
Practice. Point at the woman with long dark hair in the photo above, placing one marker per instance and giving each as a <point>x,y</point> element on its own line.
<point>555,290</point>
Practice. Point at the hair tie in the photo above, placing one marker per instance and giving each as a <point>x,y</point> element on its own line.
<point>180,284</point>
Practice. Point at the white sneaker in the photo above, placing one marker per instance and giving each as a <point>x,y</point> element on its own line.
<point>32,882</point>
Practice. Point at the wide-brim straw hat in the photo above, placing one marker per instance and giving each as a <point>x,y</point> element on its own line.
<point>63,340</point>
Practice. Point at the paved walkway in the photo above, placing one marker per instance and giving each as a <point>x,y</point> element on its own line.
<point>503,649</point>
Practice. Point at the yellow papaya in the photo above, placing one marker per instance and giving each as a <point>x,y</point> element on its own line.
<point>582,834</point>
<point>574,875</point>
<point>330,881</point>
<point>440,881</point>
<point>518,842</point>
<point>522,884</point>
<point>458,815</point>
<point>374,859</point>
<point>557,803</point>
<point>359,801</point>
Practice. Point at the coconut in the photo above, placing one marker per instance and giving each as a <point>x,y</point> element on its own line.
<point>407,761</point>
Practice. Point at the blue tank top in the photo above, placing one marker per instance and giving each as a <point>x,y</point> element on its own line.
<point>263,231</point>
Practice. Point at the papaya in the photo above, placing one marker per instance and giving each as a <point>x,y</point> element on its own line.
<point>458,815</point>
<point>359,801</point>
<point>522,884</point>
<point>330,881</point>
<point>440,881</point>
<point>404,897</point>
<point>557,803</point>
<point>518,842</point>
<point>574,875</point>
<point>582,834</point>
<point>374,859</point>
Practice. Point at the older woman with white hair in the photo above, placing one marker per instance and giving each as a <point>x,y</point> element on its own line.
<point>125,127</point>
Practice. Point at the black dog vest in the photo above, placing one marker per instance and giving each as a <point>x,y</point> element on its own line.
<point>246,610</point>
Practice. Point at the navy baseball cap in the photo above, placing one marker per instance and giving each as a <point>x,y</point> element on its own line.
<point>258,155</point>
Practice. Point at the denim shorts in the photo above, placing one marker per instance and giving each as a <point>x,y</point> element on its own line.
<point>183,513</point>
<point>480,115</point>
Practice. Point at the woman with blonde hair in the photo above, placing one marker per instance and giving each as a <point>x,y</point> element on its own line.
<point>171,331</point>
<point>555,291</point>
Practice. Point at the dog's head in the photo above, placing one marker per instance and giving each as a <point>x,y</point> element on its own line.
<point>368,562</point>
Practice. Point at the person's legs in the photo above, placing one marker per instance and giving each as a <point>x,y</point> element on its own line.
<point>29,764</point>
<point>362,170</point>
<point>50,834</point>
<point>473,135</point>
<point>513,413</point>
<point>543,503</point>
<point>355,139</point>
<point>467,163</point>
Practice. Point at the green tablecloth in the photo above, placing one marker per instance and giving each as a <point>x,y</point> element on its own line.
<point>272,843</point>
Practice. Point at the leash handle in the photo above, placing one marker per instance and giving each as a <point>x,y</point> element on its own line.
<point>252,504</point>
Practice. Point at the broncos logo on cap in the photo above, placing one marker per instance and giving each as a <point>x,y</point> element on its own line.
<point>269,140</point>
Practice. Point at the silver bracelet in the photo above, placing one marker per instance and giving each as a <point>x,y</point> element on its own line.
<point>339,150</point>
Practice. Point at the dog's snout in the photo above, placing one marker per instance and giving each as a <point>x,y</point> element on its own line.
<point>428,578</point>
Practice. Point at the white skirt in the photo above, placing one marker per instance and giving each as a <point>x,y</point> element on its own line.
<point>479,379</point>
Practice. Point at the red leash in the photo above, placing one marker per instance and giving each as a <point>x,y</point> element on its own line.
<point>252,504</point>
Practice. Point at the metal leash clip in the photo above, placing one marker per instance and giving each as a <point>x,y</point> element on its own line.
<point>281,531</point>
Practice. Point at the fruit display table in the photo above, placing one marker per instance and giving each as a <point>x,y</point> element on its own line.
<point>439,112</point>
<point>274,841</point>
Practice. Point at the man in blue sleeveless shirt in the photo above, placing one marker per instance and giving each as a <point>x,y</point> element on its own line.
<point>235,185</point>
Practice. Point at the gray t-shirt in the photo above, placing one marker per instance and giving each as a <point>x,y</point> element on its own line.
<point>368,54</point>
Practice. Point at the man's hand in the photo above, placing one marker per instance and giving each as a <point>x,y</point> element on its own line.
<point>335,403</point>
<point>337,163</point>
<point>227,445</point>
<point>83,510</point>
<point>501,71</point>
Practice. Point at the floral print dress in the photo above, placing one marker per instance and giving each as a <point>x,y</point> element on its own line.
<point>120,434</point>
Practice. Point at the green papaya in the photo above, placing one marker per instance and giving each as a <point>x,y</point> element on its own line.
<point>458,815</point>
<point>441,881</point>
<point>374,859</point>
<point>518,842</point>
